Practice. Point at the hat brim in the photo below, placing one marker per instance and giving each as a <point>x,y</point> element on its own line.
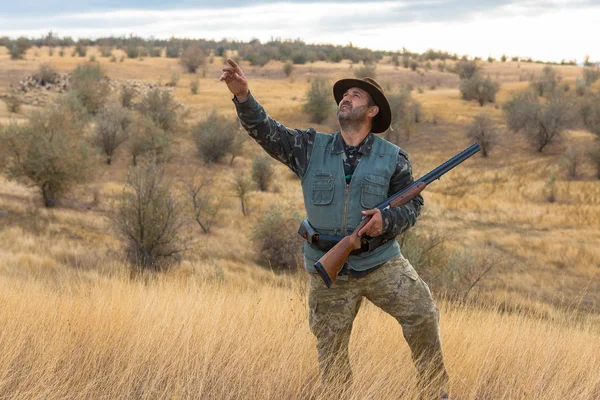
<point>383,119</point>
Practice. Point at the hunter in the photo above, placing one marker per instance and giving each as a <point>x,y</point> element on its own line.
<point>344,175</point>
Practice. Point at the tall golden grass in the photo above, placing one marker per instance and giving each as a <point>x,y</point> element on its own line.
<point>73,325</point>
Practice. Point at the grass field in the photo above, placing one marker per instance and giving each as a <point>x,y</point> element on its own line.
<point>220,326</point>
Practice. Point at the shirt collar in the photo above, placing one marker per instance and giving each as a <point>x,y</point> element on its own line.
<point>364,147</point>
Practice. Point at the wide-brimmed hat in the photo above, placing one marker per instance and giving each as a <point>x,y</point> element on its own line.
<point>383,119</point>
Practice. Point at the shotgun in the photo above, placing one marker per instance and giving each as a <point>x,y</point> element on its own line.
<point>333,261</point>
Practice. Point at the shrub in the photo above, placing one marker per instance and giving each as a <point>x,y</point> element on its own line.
<point>174,80</point>
<point>106,51</point>
<point>318,102</point>
<point>467,69</point>
<point>262,172</point>
<point>477,88</point>
<point>18,48</point>
<point>80,49</point>
<point>414,65</point>
<point>590,75</point>
<point>173,50</point>
<point>127,95</point>
<point>542,124</point>
<point>590,113</point>
<point>149,220</point>
<point>48,152</point>
<point>194,86</point>
<point>13,104</point>
<point>403,115</point>
<point>146,139</point>
<point>133,51</point>
<point>156,52</point>
<point>192,58</point>
<point>90,85</point>
<point>483,131</point>
<point>160,107</point>
<point>46,74</point>
<point>111,129</point>
<point>366,71</point>
<point>214,136</point>
<point>277,239</point>
<point>547,82</point>
<point>288,69</point>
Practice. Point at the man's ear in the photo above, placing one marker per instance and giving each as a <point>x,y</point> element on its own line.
<point>373,111</point>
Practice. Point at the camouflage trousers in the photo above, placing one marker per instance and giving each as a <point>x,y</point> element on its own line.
<point>394,287</point>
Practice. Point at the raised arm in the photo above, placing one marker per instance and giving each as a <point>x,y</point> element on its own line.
<point>290,146</point>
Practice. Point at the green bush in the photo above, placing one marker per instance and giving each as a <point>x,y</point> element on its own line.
<point>277,239</point>
<point>81,49</point>
<point>18,48</point>
<point>263,172</point>
<point>161,108</point>
<point>480,89</point>
<point>288,69</point>
<point>111,129</point>
<point>467,69</point>
<point>541,123</point>
<point>173,50</point>
<point>90,85</point>
<point>403,110</point>
<point>547,83</point>
<point>13,104</point>
<point>194,86</point>
<point>214,136</point>
<point>318,103</point>
<point>146,139</point>
<point>48,152</point>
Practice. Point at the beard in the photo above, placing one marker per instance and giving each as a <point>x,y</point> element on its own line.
<point>352,118</point>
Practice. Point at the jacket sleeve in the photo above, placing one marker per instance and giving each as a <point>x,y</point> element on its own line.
<point>292,147</point>
<point>397,220</point>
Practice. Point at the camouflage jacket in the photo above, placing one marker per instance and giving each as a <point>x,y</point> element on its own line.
<point>293,147</point>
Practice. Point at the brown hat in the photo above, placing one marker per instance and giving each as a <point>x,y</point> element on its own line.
<point>383,119</point>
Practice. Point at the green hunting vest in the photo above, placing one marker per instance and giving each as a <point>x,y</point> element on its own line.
<point>334,208</point>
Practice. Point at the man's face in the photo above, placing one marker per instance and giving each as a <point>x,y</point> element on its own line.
<point>354,106</point>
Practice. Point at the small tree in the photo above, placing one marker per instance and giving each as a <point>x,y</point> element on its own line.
<point>318,102</point>
<point>146,139</point>
<point>262,172</point>
<point>48,152</point>
<point>205,205</point>
<point>214,136</point>
<point>288,68</point>
<point>192,58</point>
<point>594,155</point>
<point>13,104</point>
<point>194,86</point>
<point>590,113</point>
<point>18,48</point>
<point>483,131</point>
<point>477,88</point>
<point>149,220</point>
<point>542,124</point>
<point>112,129</point>
<point>90,86</point>
<point>46,74</point>
<point>243,186</point>
<point>127,95</point>
<point>160,107</point>
<point>547,82</point>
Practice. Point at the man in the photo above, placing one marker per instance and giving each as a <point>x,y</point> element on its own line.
<point>344,176</point>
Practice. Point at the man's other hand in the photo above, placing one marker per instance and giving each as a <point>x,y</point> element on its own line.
<point>236,80</point>
<point>374,227</point>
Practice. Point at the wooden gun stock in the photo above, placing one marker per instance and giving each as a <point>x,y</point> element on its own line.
<point>332,262</point>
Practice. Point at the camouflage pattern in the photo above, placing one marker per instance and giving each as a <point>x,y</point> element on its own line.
<point>293,147</point>
<point>394,287</point>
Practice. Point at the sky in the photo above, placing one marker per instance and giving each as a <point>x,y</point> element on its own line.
<point>549,30</point>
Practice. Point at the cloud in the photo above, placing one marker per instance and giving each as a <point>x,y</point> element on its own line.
<point>549,30</point>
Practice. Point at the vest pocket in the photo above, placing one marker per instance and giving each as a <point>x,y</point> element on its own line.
<point>322,192</point>
<point>374,190</point>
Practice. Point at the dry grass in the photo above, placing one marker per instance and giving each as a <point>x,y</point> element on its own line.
<point>219,326</point>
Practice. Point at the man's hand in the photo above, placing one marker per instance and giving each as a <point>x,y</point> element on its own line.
<point>236,80</point>
<point>374,227</point>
